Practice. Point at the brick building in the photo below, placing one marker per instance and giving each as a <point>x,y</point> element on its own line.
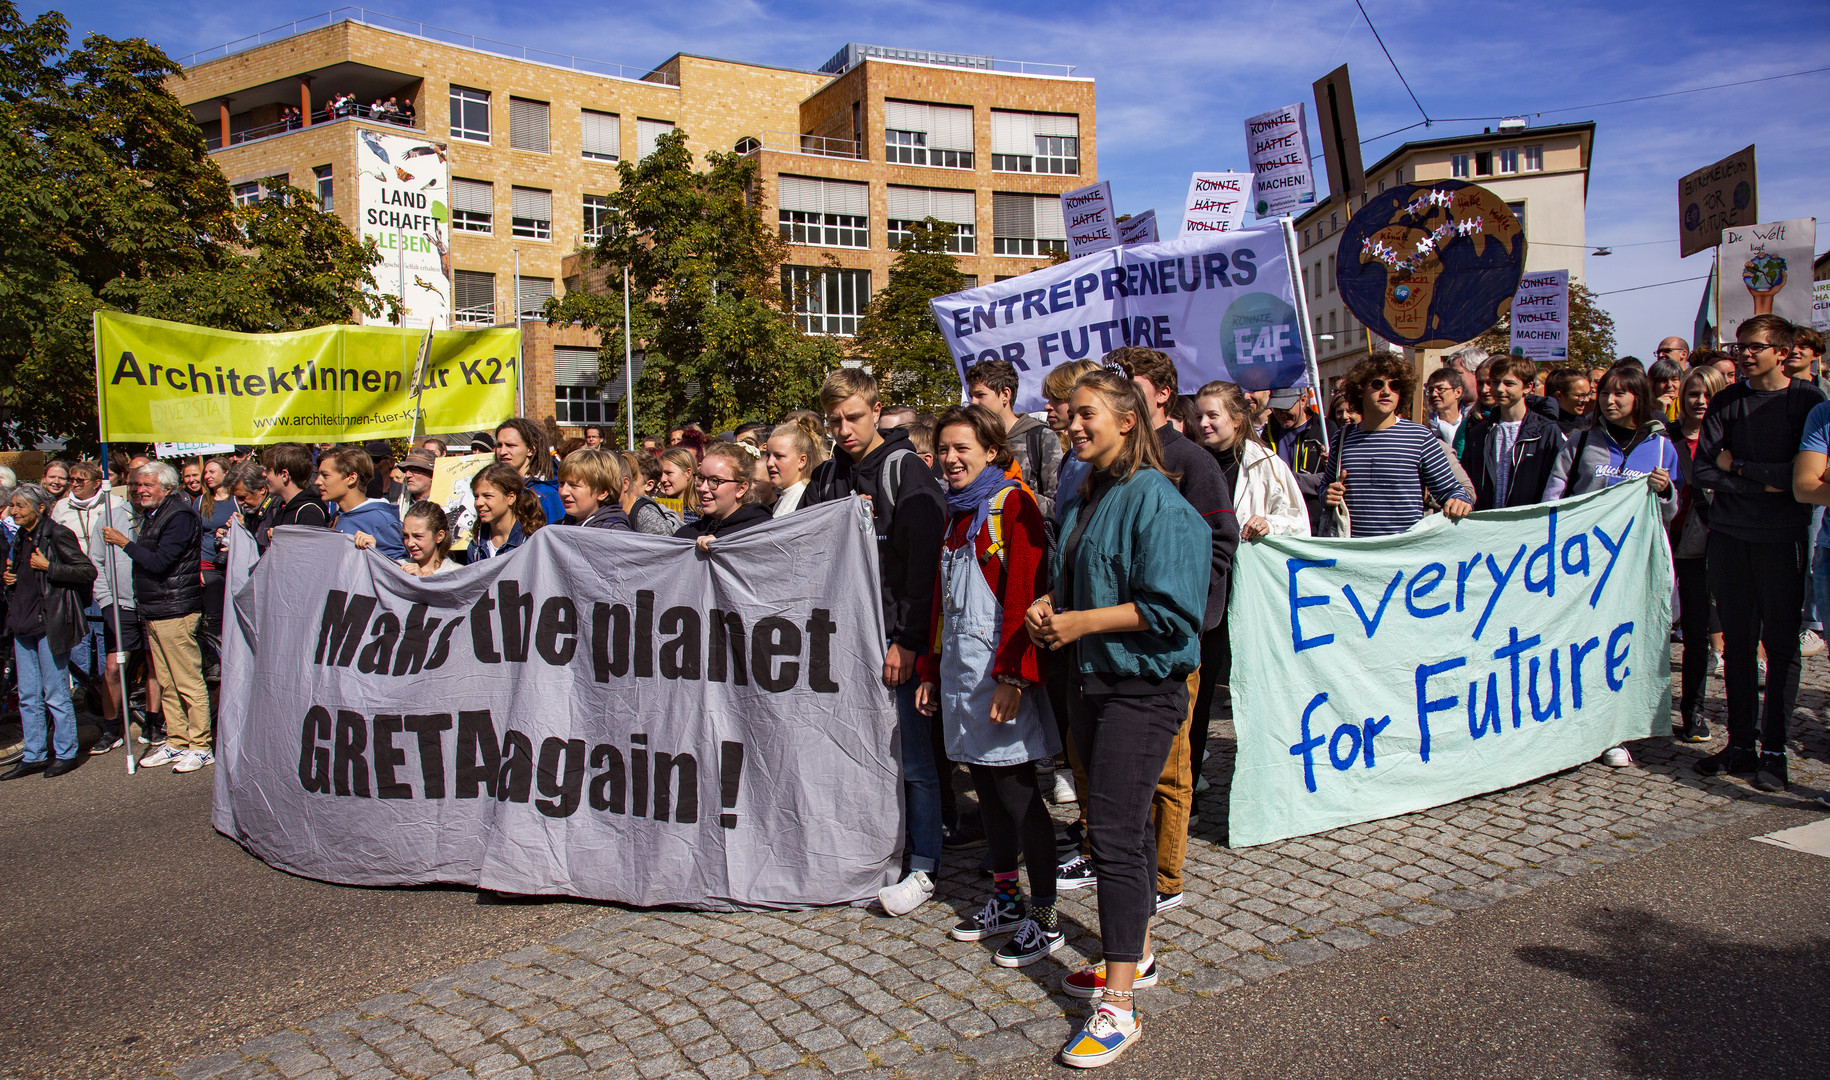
<point>874,138</point>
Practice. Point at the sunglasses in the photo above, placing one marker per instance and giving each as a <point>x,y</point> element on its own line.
<point>1381,384</point>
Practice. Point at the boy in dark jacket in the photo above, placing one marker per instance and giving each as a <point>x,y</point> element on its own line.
<point>1511,458</point>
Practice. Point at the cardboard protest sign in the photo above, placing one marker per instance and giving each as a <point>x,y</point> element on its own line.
<point>1216,202</point>
<point>1765,270</point>
<point>1540,317</point>
<point>1714,198</point>
<point>1340,132</point>
<point>451,476</point>
<point>1277,145</point>
<point>1392,674</point>
<point>1820,306</point>
<point>1091,224</point>
<point>166,381</point>
<point>1221,305</point>
<point>191,449</point>
<point>1139,229</point>
<point>599,714</point>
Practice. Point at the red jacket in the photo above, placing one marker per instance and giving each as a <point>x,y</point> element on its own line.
<point>1016,578</point>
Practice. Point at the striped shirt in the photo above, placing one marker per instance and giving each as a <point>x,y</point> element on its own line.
<point>1387,472</point>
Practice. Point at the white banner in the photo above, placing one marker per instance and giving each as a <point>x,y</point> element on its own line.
<point>1540,317</point>
<point>1138,229</point>
<point>403,201</point>
<point>1277,144</point>
<point>191,449</point>
<point>1216,202</point>
<point>1222,305</point>
<point>1820,306</point>
<point>1766,270</point>
<point>1088,214</point>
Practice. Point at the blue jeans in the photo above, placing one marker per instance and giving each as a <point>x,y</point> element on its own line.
<point>1814,597</point>
<point>91,649</point>
<point>1820,579</point>
<point>44,688</point>
<point>920,781</point>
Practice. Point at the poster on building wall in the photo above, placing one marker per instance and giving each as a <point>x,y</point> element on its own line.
<point>1277,144</point>
<point>1087,211</point>
<point>403,200</point>
<point>1540,317</point>
<point>1138,229</point>
<point>1216,202</point>
<point>1766,270</point>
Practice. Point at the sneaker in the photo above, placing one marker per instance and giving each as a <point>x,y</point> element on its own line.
<point>1167,900</point>
<point>962,837</point>
<point>107,742</point>
<point>1106,1035</point>
<point>152,732</point>
<point>1735,760</point>
<point>1696,727</point>
<point>1771,775</point>
<point>192,760</point>
<point>1760,664</point>
<point>163,754</point>
<point>1810,643</point>
<point>1029,944</point>
<point>1201,784</point>
<point>1824,800</point>
<point>1063,793</point>
<point>1076,873</point>
<point>1616,757</point>
<point>1715,666</point>
<point>993,918</point>
<point>1091,982</point>
<point>906,895</point>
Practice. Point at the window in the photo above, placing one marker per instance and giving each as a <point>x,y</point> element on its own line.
<point>1483,163</point>
<point>1458,165</point>
<point>1305,237</point>
<point>578,396</point>
<point>1509,160</point>
<point>1035,142</point>
<point>1534,159</point>
<point>826,301</point>
<point>1334,221</point>
<point>533,214</point>
<point>532,294</point>
<point>909,205</point>
<point>527,125</point>
<point>1331,273</point>
<point>972,280</point>
<point>600,135</point>
<point>1333,321</point>
<point>828,213</point>
<point>1318,277</point>
<point>919,134</point>
<point>597,214</point>
<point>469,114</point>
<point>246,194</point>
<point>473,296</point>
<point>749,144</point>
<point>472,206</point>
<point>327,200</point>
<point>1027,224</point>
<point>1518,211</point>
<point>648,135</point>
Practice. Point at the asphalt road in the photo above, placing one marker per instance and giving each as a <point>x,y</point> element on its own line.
<point>136,936</point>
<point>1707,958</point>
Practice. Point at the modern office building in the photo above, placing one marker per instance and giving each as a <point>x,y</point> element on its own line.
<point>1542,174</point>
<point>848,154</point>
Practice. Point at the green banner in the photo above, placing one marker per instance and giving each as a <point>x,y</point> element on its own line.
<point>1377,677</point>
<point>160,381</point>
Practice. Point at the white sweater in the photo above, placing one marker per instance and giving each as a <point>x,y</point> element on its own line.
<point>1267,488</point>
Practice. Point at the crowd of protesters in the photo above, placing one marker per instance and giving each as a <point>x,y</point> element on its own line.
<point>1054,591</point>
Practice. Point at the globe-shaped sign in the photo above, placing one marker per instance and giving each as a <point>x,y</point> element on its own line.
<point>1431,265</point>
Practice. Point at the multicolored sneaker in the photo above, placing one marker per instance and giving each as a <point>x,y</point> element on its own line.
<point>993,918</point>
<point>1106,1035</point>
<point>1029,944</point>
<point>1091,982</point>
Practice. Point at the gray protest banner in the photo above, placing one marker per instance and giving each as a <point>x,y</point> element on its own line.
<point>601,714</point>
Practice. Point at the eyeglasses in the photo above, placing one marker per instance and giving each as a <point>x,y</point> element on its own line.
<point>1748,349</point>
<point>1666,351</point>
<point>701,480</point>
<point>1438,389</point>
<point>1381,384</point>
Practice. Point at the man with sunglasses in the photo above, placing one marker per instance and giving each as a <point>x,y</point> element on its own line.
<point>1757,562</point>
<point>1674,349</point>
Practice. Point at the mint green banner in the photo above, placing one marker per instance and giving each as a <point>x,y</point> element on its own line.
<point>1376,677</point>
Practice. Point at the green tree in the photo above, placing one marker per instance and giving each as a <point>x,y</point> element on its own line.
<point>707,306</point>
<point>898,336</point>
<point>1591,333</point>
<point>109,199</point>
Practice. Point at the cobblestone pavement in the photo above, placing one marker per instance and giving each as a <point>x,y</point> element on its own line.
<point>650,994</point>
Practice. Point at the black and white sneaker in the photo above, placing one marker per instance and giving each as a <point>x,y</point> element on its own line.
<point>1167,900</point>
<point>1076,873</point>
<point>108,741</point>
<point>1029,944</point>
<point>993,918</point>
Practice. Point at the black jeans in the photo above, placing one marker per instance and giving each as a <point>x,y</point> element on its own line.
<point>1016,821</point>
<point>1695,618</point>
<point>1216,671</point>
<point>1125,741</point>
<point>1759,589</point>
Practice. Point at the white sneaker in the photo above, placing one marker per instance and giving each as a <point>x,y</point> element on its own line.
<point>1063,793</point>
<point>162,755</point>
<point>192,760</point>
<point>1617,757</point>
<point>1810,643</point>
<point>1202,784</point>
<point>906,895</point>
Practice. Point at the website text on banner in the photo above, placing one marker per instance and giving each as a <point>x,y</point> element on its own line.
<point>1221,304</point>
<point>164,381</point>
<point>607,715</point>
<point>1393,674</point>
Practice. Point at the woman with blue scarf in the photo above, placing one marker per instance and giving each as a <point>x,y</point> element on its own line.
<point>982,675</point>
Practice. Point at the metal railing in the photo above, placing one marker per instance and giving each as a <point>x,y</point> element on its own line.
<point>325,116</point>
<point>484,315</point>
<point>789,142</point>
<point>415,28</point>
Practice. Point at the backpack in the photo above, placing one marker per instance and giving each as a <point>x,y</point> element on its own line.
<point>1000,538</point>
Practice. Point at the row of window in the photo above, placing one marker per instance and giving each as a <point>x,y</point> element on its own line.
<point>1512,159</point>
<point>836,213</point>
<point>941,136</point>
<point>600,134</point>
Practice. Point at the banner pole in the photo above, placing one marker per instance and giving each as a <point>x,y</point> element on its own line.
<point>101,430</point>
<point>1302,316</point>
<point>520,351</point>
<point>628,363</point>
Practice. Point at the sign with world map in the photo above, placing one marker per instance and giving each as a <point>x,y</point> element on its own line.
<point>1431,265</point>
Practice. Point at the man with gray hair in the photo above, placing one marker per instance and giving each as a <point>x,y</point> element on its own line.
<point>168,588</point>
<point>47,580</point>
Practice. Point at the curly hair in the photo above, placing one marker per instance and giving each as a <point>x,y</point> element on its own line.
<point>1394,370</point>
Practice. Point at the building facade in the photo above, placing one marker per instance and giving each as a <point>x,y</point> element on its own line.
<point>1541,173</point>
<point>848,155</point>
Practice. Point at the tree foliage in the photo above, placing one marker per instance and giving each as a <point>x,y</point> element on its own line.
<point>707,306</point>
<point>898,337</point>
<point>1591,333</point>
<point>109,199</point>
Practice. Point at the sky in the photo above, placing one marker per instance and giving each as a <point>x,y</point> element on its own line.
<point>1175,81</point>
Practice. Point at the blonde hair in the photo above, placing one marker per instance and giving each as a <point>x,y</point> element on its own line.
<point>1238,406</point>
<point>1141,449</point>
<point>845,383</point>
<point>1059,382</point>
<point>743,458</point>
<point>804,428</point>
<point>601,470</point>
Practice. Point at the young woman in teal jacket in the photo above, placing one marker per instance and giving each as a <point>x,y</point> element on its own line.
<point>1130,590</point>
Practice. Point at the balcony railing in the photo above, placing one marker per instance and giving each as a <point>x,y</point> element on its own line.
<point>484,315</point>
<point>325,116</point>
<point>788,142</point>
<point>415,28</point>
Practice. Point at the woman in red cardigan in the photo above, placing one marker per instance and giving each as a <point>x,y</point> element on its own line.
<point>982,676</point>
